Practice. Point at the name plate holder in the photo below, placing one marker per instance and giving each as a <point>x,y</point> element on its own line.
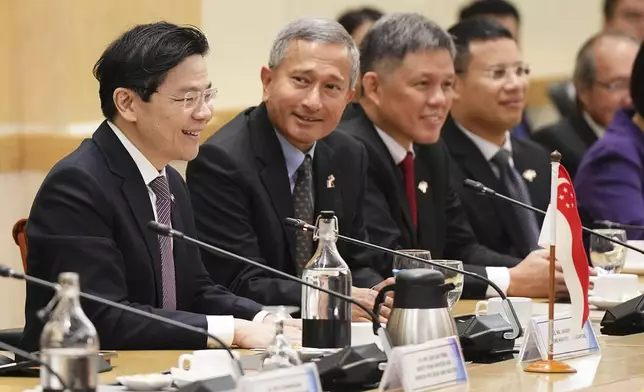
<point>422,367</point>
<point>303,378</point>
<point>567,343</point>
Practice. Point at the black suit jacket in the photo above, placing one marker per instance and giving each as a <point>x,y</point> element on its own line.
<point>241,194</point>
<point>493,220</point>
<point>571,136</point>
<point>443,228</point>
<point>90,217</point>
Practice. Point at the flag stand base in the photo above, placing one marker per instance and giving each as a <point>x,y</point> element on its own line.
<point>550,366</point>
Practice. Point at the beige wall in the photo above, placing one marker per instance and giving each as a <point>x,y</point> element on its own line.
<point>552,32</point>
<point>49,47</point>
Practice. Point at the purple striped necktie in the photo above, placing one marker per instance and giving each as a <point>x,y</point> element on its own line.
<point>161,189</point>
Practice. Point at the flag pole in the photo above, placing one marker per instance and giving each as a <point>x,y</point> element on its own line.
<point>550,365</point>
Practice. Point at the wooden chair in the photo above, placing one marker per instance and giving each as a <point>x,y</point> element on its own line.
<point>12,336</point>
<point>20,238</point>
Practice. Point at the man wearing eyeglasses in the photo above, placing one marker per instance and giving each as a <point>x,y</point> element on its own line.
<point>601,77</point>
<point>490,93</point>
<point>91,213</point>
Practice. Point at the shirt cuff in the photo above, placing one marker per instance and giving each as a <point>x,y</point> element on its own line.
<point>500,276</point>
<point>259,317</point>
<point>222,327</point>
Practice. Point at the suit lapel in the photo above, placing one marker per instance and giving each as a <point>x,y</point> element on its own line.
<point>135,193</point>
<point>273,170</point>
<point>326,179</point>
<point>478,168</point>
<point>583,130</point>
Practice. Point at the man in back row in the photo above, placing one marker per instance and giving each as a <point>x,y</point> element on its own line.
<point>407,76</point>
<point>91,213</point>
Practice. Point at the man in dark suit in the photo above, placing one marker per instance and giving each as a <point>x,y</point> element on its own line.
<point>410,201</point>
<point>282,159</point>
<point>601,78</point>
<point>490,90</point>
<point>91,212</point>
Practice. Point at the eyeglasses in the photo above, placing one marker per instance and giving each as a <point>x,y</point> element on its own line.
<point>193,99</point>
<point>499,73</point>
<point>615,85</point>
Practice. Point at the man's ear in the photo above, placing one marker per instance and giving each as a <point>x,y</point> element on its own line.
<point>371,87</point>
<point>124,100</point>
<point>458,87</point>
<point>266,75</point>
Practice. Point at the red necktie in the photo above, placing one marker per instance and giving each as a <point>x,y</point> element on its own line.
<point>407,166</point>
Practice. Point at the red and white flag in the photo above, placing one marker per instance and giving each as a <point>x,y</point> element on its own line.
<point>565,233</point>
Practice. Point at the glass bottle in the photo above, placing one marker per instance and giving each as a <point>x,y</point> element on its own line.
<point>326,320</point>
<point>280,353</point>
<point>69,342</point>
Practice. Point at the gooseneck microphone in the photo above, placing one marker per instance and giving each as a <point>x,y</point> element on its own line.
<point>615,225</point>
<point>32,358</point>
<point>167,231</point>
<point>509,309</point>
<point>10,273</point>
<point>484,190</point>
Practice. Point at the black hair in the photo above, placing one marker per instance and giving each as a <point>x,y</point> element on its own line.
<point>470,30</point>
<point>141,58</point>
<point>352,19</point>
<point>637,82</point>
<point>482,8</point>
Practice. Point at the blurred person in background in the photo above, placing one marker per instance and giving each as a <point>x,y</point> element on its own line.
<point>626,16</point>
<point>357,22</point>
<point>601,78</point>
<point>610,180</point>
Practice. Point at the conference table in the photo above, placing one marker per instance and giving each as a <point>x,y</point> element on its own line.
<point>619,367</point>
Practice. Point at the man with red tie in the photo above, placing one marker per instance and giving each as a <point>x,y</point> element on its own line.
<point>407,75</point>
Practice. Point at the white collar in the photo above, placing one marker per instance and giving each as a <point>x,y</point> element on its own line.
<point>398,152</point>
<point>147,169</point>
<point>596,128</point>
<point>487,148</point>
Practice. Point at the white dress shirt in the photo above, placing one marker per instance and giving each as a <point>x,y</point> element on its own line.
<point>498,275</point>
<point>221,326</point>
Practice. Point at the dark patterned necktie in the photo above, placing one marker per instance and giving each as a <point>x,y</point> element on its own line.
<point>518,190</point>
<point>161,189</point>
<point>303,206</point>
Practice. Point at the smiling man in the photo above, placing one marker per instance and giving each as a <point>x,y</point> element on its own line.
<point>91,212</point>
<point>282,159</point>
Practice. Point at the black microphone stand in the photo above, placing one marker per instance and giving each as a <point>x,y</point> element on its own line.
<point>32,358</point>
<point>10,273</point>
<point>485,191</point>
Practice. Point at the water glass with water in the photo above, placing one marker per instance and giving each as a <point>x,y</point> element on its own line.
<point>608,258</point>
<point>402,263</point>
<point>452,277</point>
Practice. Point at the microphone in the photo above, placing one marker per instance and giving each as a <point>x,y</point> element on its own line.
<point>10,273</point>
<point>484,190</point>
<point>615,225</point>
<point>347,369</point>
<point>167,231</point>
<point>32,359</point>
<point>482,337</point>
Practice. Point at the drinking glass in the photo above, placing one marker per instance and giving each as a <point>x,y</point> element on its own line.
<point>606,257</point>
<point>402,263</point>
<point>280,353</point>
<point>452,277</point>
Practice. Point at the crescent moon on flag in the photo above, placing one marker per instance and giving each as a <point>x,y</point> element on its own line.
<point>562,181</point>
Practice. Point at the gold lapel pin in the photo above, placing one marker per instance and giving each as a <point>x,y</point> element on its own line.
<point>423,186</point>
<point>529,175</point>
<point>330,181</point>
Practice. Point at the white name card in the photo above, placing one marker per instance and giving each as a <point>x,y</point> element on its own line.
<point>567,343</point>
<point>422,367</point>
<point>303,378</point>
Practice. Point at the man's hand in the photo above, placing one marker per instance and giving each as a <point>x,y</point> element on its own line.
<point>259,335</point>
<point>367,297</point>
<point>530,277</point>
